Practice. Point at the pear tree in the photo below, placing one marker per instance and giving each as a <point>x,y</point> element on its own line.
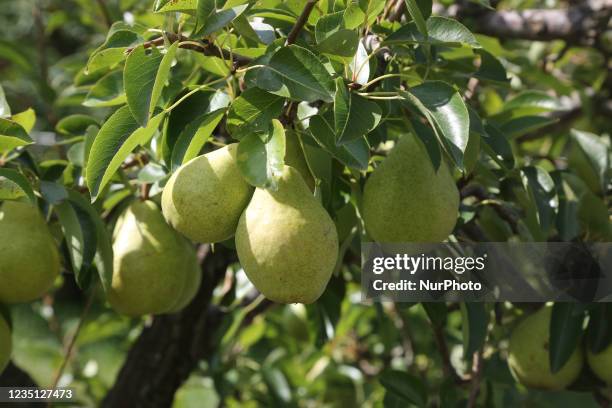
<point>186,185</point>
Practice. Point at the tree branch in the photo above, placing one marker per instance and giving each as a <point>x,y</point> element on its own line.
<point>205,47</point>
<point>578,25</point>
<point>301,21</point>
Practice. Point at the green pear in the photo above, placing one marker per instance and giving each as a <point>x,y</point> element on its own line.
<point>204,198</point>
<point>601,364</point>
<point>30,261</point>
<point>155,269</point>
<point>406,200</point>
<point>529,355</point>
<point>6,344</point>
<point>294,157</point>
<point>286,242</point>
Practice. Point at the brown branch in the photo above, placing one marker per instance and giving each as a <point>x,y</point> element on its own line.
<point>205,47</point>
<point>301,21</point>
<point>476,379</point>
<point>579,24</point>
<point>447,367</point>
<point>397,10</point>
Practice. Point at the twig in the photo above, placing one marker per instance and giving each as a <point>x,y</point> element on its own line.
<point>476,379</point>
<point>70,347</point>
<point>145,189</point>
<point>447,366</point>
<point>397,11</point>
<point>205,47</point>
<point>41,43</point>
<point>301,21</point>
<point>105,14</point>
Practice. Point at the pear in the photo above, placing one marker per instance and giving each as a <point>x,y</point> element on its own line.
<point>294,157</point>
<point>204,198</point>
<point>155,269</point>
<point>286,242</point>
<point>29,261</point>
<point>601,364</point>
<point>406,200</point>
<point>529,355</point>
<point>6,344</point>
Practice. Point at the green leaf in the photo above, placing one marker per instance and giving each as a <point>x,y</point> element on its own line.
<point>328,25</point>
<point>296,73</point>
<point>261,157</point>
<point>252,112</point>
<point>405,386</point>
<point>221,19</point>
<point>490,68</point>
<point>541,192</point>
<point>117,138</point>
<point>342,44</point>
<point>525,124</point>
<point>53,193</point>
<point>535,101</point>
<point>184,6</point>
<point>144,77</point>
<point>566,221</point>
<point>27,119</point>
<point>194,136</point>
<point>152,173</point>
<point>371,10</point>
<point>417,16</point>
<point>204,9</point>
<point>596,153</point>
<point>12,135</point>
<point>565,333</point>
<point>5,109</point>
<point>474,324</point>
<point>429,139</point>
<point>445,110</point>
<point>108,91</point>
<point>120,37</point>
<point>75,125</point>
<point>80,236</point>
<point>354,154</point>
<point>354,116</point>
<point>441,31</point>
<point>103,258</point>
<point>20,180</point>
<point>497,146</point>
<point>600,327</point>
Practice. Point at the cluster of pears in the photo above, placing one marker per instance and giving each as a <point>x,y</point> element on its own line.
<point>407,200</point>
<point>285,240</point>
<point>29,262</point>
<point>529,355</point>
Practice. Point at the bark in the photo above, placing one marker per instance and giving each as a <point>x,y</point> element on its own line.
<point>580,24</point>
<point>14,377</point>
<point>168,351</point>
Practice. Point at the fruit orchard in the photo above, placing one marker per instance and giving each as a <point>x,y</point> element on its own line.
<point>185,186</point>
